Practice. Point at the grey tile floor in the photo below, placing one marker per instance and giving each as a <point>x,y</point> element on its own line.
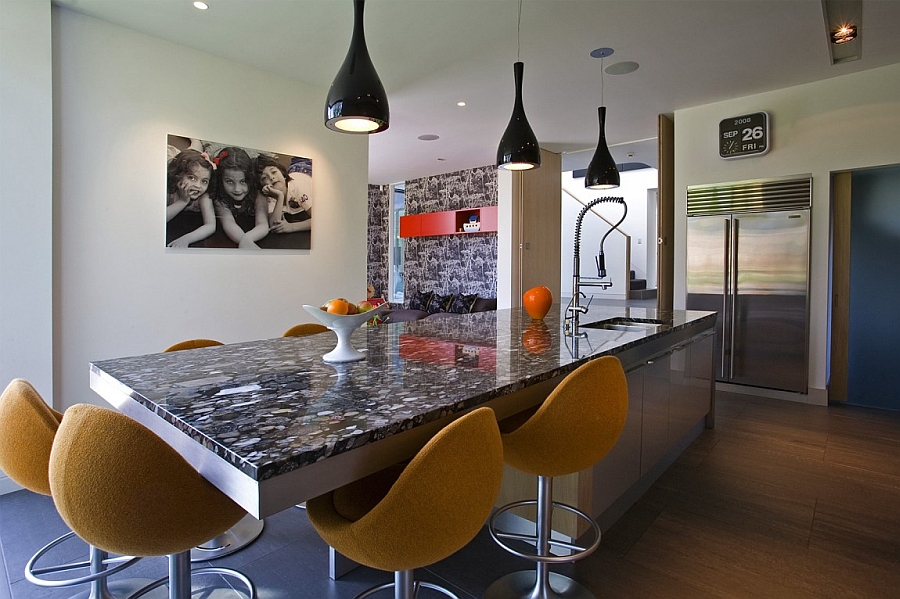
<point>781,501</point>
<point>288,560</point>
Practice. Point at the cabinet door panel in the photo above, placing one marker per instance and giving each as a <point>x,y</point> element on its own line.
<point>655,423</point>
<point>621,467</point>
<point>701,381</point>
<point>681,417</point>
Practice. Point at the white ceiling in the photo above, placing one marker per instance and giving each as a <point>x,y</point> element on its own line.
<point>430,54</point>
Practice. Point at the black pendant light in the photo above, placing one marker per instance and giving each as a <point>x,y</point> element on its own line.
<point>602,172</point>
<point>519,149</point>
<point>356,101</point>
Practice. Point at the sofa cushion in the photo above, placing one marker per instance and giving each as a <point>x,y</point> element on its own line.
<point>420,300</point>
<point>462,304</point>
<point>403,316</point>
<point>483,304</point>
<point>439,303</point>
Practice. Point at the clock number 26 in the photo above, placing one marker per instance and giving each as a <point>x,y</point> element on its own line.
<point>752,133</point>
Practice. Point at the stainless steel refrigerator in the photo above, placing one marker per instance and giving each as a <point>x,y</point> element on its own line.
<point>748,259</point>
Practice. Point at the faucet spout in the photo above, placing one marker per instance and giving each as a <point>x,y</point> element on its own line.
<point>575,307</point>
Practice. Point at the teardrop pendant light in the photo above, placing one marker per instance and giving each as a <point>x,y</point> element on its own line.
<point>602,172</point>
<point>518,149</point>
<point>356,100</point>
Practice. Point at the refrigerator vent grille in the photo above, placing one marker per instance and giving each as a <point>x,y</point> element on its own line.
<point>750,196</point>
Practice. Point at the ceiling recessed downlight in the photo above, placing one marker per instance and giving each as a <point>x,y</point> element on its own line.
<point>460,103</point>
<point>201,5</point>
<point>843,34</point>
<point>622,68</point>
<point>429,137</point>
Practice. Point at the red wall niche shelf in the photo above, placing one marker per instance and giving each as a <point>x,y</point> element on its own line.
<point>449,222</point>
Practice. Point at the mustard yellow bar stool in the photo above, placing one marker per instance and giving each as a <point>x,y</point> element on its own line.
<point>248,528</point>
<point>304,329</point>
<point>193,344</point>
<point>413,515</point>
<point>122,488</point>
<point>578,423</point>
<point>27,429</point>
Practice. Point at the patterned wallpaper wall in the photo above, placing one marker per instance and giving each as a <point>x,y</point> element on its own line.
<point>379,244</point>
<point>452,263</point>
<point>444,263</point>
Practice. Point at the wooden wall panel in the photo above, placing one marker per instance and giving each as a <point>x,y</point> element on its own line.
<point>840,286</point>
<point>665,265</point>
<point>537,235</point>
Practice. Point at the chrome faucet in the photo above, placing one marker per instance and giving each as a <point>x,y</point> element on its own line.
<point>575,308</point>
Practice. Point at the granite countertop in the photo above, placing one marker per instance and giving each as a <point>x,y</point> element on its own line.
<point>272,406</point>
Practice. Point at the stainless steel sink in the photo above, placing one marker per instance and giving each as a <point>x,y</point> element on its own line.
<point>626,324</point>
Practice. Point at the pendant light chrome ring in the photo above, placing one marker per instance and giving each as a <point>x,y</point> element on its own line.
<point>357,102</point>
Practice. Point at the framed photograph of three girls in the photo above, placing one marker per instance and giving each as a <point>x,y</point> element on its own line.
<point>225,196</point>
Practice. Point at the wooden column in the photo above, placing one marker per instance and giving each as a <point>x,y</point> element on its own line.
<point>537,223</point>
<point>840,286</point>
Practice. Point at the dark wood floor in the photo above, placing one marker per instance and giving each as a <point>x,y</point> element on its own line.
<point>781,500</point>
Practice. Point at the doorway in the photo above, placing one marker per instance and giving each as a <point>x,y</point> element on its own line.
<point>871,214</point>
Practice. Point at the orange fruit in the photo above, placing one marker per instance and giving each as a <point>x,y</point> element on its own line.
<point>337,306</point>
<point>537,302</point>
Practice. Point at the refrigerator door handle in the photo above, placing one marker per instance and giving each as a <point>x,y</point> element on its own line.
<point>726,281</point>
<point>734,291</point>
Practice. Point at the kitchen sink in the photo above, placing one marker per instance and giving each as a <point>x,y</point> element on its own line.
<point>626,324</point>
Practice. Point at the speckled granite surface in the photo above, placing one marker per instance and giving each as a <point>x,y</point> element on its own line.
<point>269,407</point>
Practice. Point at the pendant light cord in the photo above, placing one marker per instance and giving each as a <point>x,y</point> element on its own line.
<point>601,81</point>
<point>518,29</point>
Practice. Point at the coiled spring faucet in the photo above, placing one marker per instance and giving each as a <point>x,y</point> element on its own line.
<point>575,308</point>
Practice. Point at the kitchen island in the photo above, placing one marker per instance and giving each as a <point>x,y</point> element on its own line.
<point>271,424</point>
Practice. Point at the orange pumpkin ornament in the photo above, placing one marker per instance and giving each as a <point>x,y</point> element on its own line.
<point>537,302</point>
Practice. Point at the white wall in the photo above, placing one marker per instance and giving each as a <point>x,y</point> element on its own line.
<point>633,189</point>
<point>26,198</point>
<point>847,122</point>
<point>119,292</point>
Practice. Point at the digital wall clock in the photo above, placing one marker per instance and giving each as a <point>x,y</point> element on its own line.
<point>746,135</point>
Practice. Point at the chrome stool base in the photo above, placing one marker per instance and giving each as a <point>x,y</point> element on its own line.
<point>541,583</point>
<point>523,585</point>
<point>99,570</point>
<point>405,587</point>
<point>118,589</point>
<point>237,537</point>
<point>181,576</point>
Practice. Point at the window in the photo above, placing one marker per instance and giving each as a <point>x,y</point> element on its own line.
<point>395,276</point>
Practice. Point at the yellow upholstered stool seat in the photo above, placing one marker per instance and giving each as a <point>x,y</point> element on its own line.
<point>574,428</point>
<point>248,528</point>
<point>193,344</point>
<point>123,489</point>
<point>27,429</point>
<point>413,515</point>
<point>307,328</point>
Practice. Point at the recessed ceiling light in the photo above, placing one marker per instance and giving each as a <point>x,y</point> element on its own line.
<point>460,103</point>
<point>622,68</point>
<point>428,137</point>
<point>843,34</point>
<point>843,29</point>
<point>201,5</point>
